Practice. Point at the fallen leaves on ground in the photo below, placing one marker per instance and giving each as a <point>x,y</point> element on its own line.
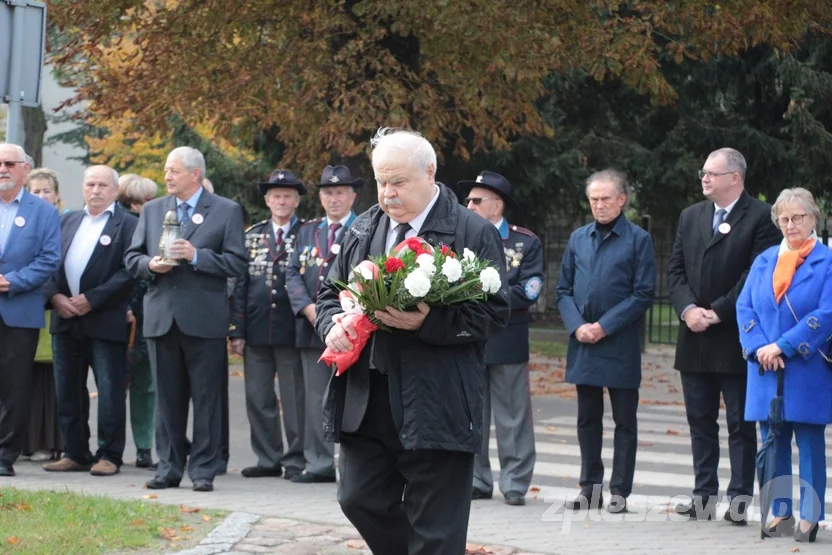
<point>186,528</point>
<point>673,432</point>
<point>93,395</point>
<point>13,540</point>
<point>151,496</point>
<point>477,550</point>
<point>534,489</point>
<point>206,518</point>
<point>23,507</point>
<point>168,534</point>
<point>236,374</point>
<point>186,509</point>
<point>137,522</point>
<point>356,544</point>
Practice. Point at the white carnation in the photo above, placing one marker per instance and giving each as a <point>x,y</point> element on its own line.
<point>452,269</point>
<point>425,262</point>
<point>490,279</point>
<point>417,283</point>
<point>468,255</point>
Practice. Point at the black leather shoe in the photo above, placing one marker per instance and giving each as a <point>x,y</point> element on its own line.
<point>700,509</point>
<point>617,505</point>
<point>312,478</point>
<point>586,500</point>
<point>144,459</point>
<point>6,470</point>
<point>203,485</point>
<point>290,472</point>
<point>477,494</point>
<point>810,536</point>
<point>515,498</point>
<point>160,483</point>
<point>737,514</point>
<point>261,472</point>
<point>783,528</point>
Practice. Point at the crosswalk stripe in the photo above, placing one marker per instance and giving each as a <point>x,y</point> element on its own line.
<point>642,456</point>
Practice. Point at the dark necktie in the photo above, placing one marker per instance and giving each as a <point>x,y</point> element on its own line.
<point>184,217</point>
<point>279,238</point>
<point>401,231</point>
<point>333,231</point>
<point>720,217</point>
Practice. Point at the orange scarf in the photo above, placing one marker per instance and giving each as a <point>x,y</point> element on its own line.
<point>787,264</point>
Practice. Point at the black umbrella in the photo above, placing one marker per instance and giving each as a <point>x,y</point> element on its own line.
<point>767,454</point>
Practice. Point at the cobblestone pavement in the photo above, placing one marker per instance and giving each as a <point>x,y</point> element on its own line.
<point>306,518</point>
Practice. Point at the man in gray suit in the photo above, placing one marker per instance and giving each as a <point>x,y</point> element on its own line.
<point>186,315</point>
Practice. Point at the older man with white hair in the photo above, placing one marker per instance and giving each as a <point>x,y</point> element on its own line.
<point>408,414</point>
<point>186,315</point>
<point>90,294</point>
<point>30,250</point>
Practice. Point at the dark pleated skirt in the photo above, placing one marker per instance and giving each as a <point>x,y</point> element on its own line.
<point>44,428</point>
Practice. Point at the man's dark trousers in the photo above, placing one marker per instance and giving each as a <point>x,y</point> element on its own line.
<point>590,437</point>
<point>429,521</point>
<point>702,400</point>
<point>188,365</point>
<point>73,353</point>
<point>17,357</point>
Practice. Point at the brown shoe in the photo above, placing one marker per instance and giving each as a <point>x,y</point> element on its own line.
<point>104,468</point>
<point>66,465</point>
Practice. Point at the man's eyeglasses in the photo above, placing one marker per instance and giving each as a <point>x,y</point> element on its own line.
<point>477,200</point>
<point>11,163</point>
<point>797,219</point>
<point>703,173</point>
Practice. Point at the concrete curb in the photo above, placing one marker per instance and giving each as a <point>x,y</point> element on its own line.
<point>221,539</point>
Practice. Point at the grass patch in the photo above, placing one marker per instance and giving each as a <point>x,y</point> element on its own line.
<point>547,348</point>
<point>49,522</point>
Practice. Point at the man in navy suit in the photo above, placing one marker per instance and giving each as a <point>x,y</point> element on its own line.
<point>90,294</point>
<point>30,250</point>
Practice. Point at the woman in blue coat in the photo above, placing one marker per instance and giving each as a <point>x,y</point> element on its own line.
<point>785,318</point>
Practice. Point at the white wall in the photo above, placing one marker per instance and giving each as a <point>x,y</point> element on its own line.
<point>57,157</point>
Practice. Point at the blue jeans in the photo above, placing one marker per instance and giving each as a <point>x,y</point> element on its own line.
<point>74,353</point>
<point>811,445</point>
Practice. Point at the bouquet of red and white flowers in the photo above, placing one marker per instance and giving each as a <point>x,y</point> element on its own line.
<point>413,272</point>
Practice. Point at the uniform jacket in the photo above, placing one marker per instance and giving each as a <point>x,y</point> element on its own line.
<point>807,378</point>
<point>524,273</point>
<point>436,373</point>
<point>708,270</point>
<point>195,296</point>
<point>261,312</point>
<point>309,267</point>
<point>105,281</point>
<point>611,281</point>
<point>31,257</point>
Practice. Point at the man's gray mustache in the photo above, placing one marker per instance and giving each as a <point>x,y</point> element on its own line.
<point>393,202</point>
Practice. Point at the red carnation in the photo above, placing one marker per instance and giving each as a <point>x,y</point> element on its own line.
<point>414,244</point>
<point>393,265</point>
<point>446,250</point>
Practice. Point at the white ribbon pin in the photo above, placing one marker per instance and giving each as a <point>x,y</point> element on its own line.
<point>724,228</point>
<point>197,219</point>
<point>105,240</point>
<point>20,221</point>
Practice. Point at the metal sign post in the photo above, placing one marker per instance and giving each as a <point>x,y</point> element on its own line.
<point>22,44</point>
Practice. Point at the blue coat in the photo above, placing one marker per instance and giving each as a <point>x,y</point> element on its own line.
<point>612,282</point>
<point>31,256</point>
<point>807,378</point>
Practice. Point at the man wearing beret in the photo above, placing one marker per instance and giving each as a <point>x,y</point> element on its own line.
<point>319,241</point>
<point>506,381</point>
<point>262,330</point>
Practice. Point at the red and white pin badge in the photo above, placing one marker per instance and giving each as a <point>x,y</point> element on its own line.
<point>724,228</point>
<point>105,240</point>
<point>197,219</point>
<point>20,221</point>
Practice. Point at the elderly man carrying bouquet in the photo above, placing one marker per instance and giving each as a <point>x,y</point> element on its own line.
<point>408,413</point>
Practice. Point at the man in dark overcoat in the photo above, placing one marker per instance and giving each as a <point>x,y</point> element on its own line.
<point>607,283</point>
<point>716,242</point>
<point>408,414</point>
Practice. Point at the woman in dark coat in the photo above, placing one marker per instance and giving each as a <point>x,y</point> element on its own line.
<point>785,318</point>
